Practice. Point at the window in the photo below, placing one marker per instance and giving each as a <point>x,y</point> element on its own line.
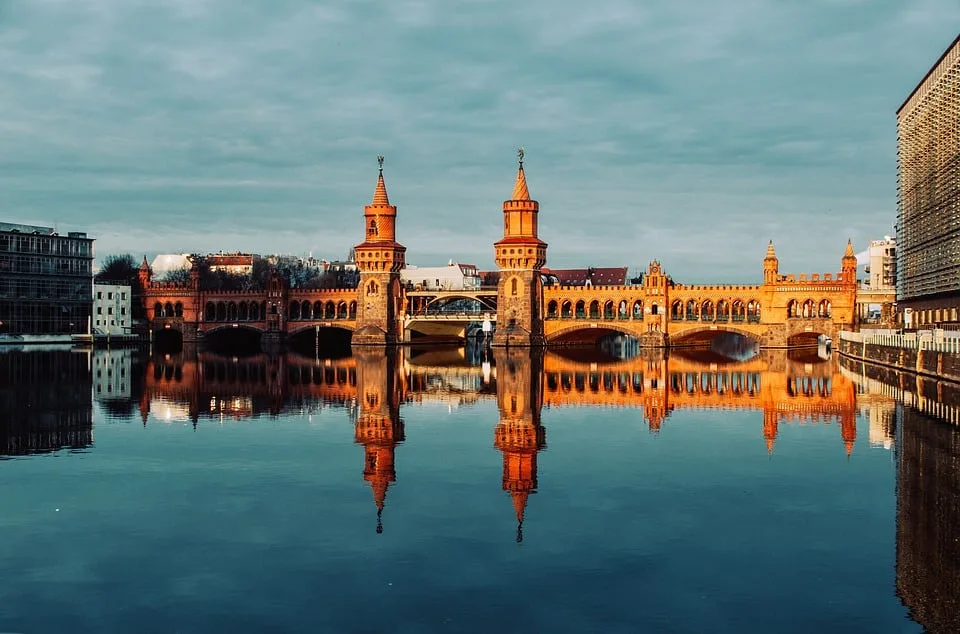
<point>123,310</point>
<point>109,310</point>
<point>99,310</point>
<point>123,295</point>
<point>109,295</point>
<point>99,294</point>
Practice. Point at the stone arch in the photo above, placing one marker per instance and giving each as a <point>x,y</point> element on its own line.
<point>608,309</point>
<point>294,310</point>
<point>594,310</point>
<point>552,309</point>
<point>352,310</point>
<point>306,309</point>
<point>243,311</point>
<point>588,334</point>
<point>707,312</point>
<point>824,309</point>
<point>676,310</point>
<point>178,309</point>
<point>623,309</point>
<point>566,309</point>
<point>221,312</point>
<point>157,310</point>
<point>254,311</point>
<point>318,309</point>
<point>232,311</point>
<point>692,310</point>
<point>303,328</point>
<point>329,310</point>
<point>168,310</point>
<point>793,309</point>
<point>723,310</point>
<point>808,309</point>
<point>638,309</point>
<point>342,310</point>
<point>209,312</point>
<point>581,310</point>
<point>753,311</point>
<point>738,310</point>
<point>695,331</point>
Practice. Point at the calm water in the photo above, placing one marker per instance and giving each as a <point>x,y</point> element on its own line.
<point>447,491</point>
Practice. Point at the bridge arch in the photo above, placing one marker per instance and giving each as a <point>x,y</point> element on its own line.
<point>712,329</point>
<point>307,327</point>
<point>587,333</point>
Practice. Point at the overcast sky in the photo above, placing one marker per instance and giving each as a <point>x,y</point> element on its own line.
<point>687,131</point>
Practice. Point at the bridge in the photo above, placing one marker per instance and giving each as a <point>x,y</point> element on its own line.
<point>526,309</point>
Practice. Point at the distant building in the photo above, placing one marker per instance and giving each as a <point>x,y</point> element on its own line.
<point>45,281</point>
<point>452,277</point>
<point>591,276</point>
<point>881,264</point>
<point>111,308</point>
<point>232,263</point>
<point>928,223</point>
<point>112,374</point>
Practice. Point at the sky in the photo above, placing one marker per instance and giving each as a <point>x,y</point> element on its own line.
<point>685,131</point>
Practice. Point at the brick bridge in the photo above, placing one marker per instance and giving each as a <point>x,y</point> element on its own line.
<point>782,311</point>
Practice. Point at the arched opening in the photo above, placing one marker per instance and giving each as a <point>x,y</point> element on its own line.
<point>793,309</point>
<point>329,311</point>
<point>824,310</point>
<point>552,309</point>
<point>254,312</point>
<point>706,311</point>
<point>676,310</point>
<point>243,311</point>
<point>738,312</point>
<point>513,286</point>
<point>232,311</point>
<point>594,309</point>
<point>753,311</point>
<point>178,310</point>
<point>323,342</point>
<point>168,310</point>
<point>692,311</point>
<point>638,309</point>
<point>372,229</point>
<point>294,312</point>
<point>305,310</point>
<point>566,310</point>
<point>608,309</point>
<point>157,310</point>
<point>723,311</point>
<point>168,341</point>
<point>221,312</point>
<point>352,311</point>
<point>318,310</point>
<point>622,312</point>
<point>342,310</point>
<point>808,309</point>
<point>209,312</point>
<point>581,310</point>
<point>240,341</point>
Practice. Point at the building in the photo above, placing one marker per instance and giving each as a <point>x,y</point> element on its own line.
<point>881,264</point>
<point>928,219</point>
<point>592,276</point>
<point>232,263</point>
<point>111,308</point>
<point>45,281</point>
<point>452,277</point>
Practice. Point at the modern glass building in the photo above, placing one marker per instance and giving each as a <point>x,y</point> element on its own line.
<point>928,218</point>
<point>46,281</point>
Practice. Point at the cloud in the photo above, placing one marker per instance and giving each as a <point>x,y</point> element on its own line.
<point>688,132</point>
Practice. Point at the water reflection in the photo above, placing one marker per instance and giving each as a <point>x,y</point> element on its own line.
<point>47,401</point>
<point>44,401</point>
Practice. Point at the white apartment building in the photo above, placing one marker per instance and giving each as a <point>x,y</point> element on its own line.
<point>112,374</point>
<point>452,277</point>
<point>111,309</point>
<point>881,265</point>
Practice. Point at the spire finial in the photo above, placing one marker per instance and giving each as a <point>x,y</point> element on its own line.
<point>520,153</point>
<point>380,163</point>
<point>379,521</point>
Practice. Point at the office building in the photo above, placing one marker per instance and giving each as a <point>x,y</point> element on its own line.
<point>45,281</point>
<point>111,308</point>
<point>928,223</point>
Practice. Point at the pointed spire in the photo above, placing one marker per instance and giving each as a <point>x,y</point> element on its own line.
<point>144,265</point>
<point>848,445</point>
<point>770,443</point>
<point>380,193</point>
<point>849,252</point>
<point>771,253</point>
<point>520,191</point>
<point>519,505</point>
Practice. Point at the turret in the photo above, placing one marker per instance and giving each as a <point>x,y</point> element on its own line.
<point>848,264</point>
<point>144,274</point>
<point>771,265</point>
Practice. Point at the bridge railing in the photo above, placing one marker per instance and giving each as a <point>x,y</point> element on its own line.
<point>925,340</point>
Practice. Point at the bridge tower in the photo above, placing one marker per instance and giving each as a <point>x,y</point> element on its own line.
<point>520,255</point>
<point>379,258</point>
<point>519,434</point>
<point>379,427</point>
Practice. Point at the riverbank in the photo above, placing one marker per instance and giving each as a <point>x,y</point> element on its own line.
<point>901,352</point>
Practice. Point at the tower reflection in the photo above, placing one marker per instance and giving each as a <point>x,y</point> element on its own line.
<point>519,434</point>
<point>379,427</point>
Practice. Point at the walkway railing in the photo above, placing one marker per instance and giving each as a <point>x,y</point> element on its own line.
<point>912,341</point>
